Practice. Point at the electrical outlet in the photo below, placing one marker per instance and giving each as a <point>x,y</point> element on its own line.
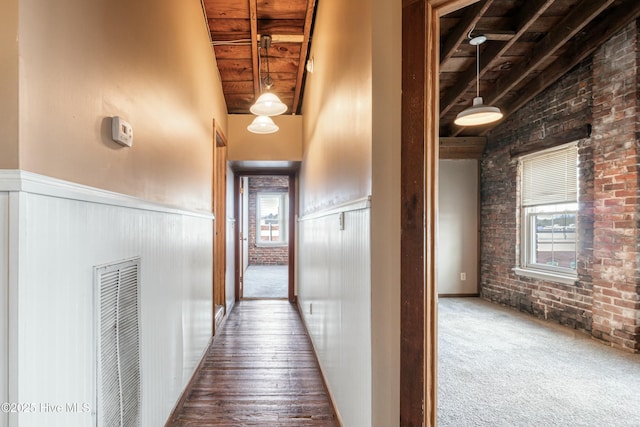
<point>341,220</point>
<point>463,276</point>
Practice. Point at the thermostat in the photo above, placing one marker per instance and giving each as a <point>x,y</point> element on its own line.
<point>121,132</point>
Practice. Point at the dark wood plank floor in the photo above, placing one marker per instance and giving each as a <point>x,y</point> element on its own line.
<point>260,371</point>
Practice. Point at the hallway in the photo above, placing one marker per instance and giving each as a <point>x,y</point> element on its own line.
<point>260,370</point>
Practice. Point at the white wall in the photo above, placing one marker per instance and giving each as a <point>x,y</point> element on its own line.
<point>61,231</point>
<point>458,227</point>
<point>335,294</point>
<point>351,142</point>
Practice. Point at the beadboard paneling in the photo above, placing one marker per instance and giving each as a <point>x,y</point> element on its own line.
<point>59,242</point>
<point>334,291</point>
<point>4,294</point>
<point>231,245</point>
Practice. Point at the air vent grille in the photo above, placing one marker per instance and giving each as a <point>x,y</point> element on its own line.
<point>119,344</point>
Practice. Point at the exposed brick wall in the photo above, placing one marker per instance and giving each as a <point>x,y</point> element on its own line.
<point>265,255</point>
<point>602,91</point>
<point>616,305</point>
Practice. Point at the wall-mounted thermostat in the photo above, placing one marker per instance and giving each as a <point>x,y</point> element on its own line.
<point>121,132</point>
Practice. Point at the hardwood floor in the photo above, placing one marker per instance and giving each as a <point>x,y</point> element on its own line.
<point>260,371</point>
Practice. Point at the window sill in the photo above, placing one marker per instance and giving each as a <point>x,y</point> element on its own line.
<point>543,275</point>
<point>272,245</point>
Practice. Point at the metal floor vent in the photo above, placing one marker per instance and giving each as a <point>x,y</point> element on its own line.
<point>118,394</point>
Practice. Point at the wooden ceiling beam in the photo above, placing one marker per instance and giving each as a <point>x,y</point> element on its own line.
<point>466,147</point>
<point>558,36</point>
<point>460,31</point>
<point>529,13</point>
<point>255,50</point>
<point>580,49</point>
<point>304,49</point>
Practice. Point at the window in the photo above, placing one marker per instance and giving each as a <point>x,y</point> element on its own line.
<point>272,214</point>
<point>549,209</point>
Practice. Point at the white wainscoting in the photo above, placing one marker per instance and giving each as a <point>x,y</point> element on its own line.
<point>230,277</point>
<point>54,244</point>
<point>4,312</point>
<point>334,291</point>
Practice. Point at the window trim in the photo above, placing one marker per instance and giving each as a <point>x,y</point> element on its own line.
<point>524,268</point>
<point>282,222</point>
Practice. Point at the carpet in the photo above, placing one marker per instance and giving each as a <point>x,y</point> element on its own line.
<point>266,281</point>
<point>498,367</point>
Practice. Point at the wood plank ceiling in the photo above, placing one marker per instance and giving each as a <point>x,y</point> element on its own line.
<point>236,27</point>
<point>531,44</point>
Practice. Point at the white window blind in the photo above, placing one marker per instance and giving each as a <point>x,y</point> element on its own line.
<point>550,178</point>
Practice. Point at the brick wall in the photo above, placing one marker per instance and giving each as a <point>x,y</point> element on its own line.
<point>265,255</point>
<point>602,91</point>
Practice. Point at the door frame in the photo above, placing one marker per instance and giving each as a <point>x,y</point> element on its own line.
<point>219,208</point>
<point>419,176</point>
<point>292,175</point>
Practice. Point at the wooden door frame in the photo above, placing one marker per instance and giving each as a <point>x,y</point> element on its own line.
<point>291,223</point>
<point>419,173</point>
<point>219,203</point>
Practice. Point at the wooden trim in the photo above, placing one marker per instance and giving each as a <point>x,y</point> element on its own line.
<point>412,279</point>
<point>304,49</point>
<point>292,227</point>
<point>292,238</point>
<point>255,50</point>
<point>419,172</point>
<point>558,139</point>
<point>432,100</point>
<point>219,202</point>
<point>237,214</point>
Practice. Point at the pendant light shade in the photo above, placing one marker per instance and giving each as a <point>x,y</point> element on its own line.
<point>268,104</point>
<point>263,125</point>
<point>478,114</point>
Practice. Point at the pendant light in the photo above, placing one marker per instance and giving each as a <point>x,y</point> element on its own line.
<point>267,104</point>
<point>478,113</point>
<point>263,125</point>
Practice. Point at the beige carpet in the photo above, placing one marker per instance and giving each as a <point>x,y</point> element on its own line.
<point>498,367</point>
<point>266,281</point>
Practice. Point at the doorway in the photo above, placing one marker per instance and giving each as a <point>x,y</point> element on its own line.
<point>265,212</point>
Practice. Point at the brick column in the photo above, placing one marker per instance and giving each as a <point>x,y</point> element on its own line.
<point>616,151</point>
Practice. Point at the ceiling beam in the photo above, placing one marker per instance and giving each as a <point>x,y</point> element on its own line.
<point>460,31</point>
<point>560,34</point>
<point>529,13</point>
<point>304,48</point>
<point>580,49</point>
<point>465,147</point>
<point>255,50</point>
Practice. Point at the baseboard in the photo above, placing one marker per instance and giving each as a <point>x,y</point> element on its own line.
<point>457,295</point>
<point>315,356</point>
<point>183,397</point>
